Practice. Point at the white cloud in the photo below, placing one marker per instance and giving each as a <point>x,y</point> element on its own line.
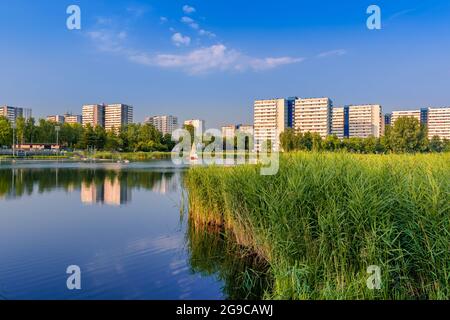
<point>219,58</point>
<point>190,22</point>
<point>179,40</point>
<point>163,19</point>
<point>215,58</point>
<point>207,33</point>
<point>338,52</point>
<point>188,9</point>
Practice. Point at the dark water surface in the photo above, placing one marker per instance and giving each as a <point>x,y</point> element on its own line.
<point>121,224</point>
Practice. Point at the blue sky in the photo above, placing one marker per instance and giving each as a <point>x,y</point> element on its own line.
<point>211,59</point>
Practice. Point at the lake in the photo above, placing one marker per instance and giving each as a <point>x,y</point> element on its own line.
<point>124,225</point>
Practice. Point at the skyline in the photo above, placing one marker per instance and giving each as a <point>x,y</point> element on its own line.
<point>128,53</point>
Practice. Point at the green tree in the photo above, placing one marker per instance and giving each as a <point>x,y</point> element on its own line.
<point>436,145</point>
<point>407,135</point>
<point>5,132</point>
<point>288,140</point>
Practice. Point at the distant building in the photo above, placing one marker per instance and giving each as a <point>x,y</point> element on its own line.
<point>439,122</point>
<point>199,126</point>
<point>165,124</point>
<point>73,118</point>
<point>338,122</point>
<point>56,119</point>
<point>245,129</point>
<point>388,119</point>
<point>12,113</point>
<point>229,131</point>
<point>363,121</point>
<point>313,115</point>
<point>270,120</point>
<point>117,116</point>
<point>416,114</point>
<point>94,115</point>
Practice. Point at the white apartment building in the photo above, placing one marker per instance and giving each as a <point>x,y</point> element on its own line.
<point>365,121</point>
<point>164,124</point>
<point>245,129</point>
<point>56,119</point>
<point>94,114</point>
<point>270,120</point>
<point>73,118</point>
<point>118,115</point>
<point>229,131</point>
<point>338,122</point>
<point>199,126</point>
<point>313,115</point>
<point>439,122</point>
<point>405,113</point>
<point>12,113</point>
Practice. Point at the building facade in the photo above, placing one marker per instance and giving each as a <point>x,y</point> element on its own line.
<point>338,122</point>
<point>94,115</point>
<point>117,116</point>
<point>56,119</point>
<point>73,118</point>
<point>439,122</point>
<point>363,121</point>
<point>270,120</point>
<point>199,126</point>
<point>313,115</point>
<point>164,124</point>
<point>12,113</point>
<point>416,114</point>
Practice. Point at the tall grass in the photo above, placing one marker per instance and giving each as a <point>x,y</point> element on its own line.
<point>324,218</point>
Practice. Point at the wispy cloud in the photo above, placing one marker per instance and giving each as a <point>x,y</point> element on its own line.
<point>197,61</point>
<point>179,40</point>
<point>108,37</point>
<point>188,9</point>
<point>214,58</point>
<point>137,11</point>
<point>190,22</point>
<point>337,52</point>
<point>401,13</point>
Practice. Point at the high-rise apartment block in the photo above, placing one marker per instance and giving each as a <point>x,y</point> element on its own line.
<point>117,116</point>
<point>56,118</point>
<point>439,122</point>
<point>164,124</point>
<point>111,116</point>
<point>12,113</point>
<point>270,120</point>
<point>313,115</point>
<point>338,122</point>
<point>73,118</point>
<point>364,121</point>
<point>94,115</point>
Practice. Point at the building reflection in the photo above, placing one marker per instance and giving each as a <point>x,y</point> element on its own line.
<point>97,186</point>
<point>112,191</point>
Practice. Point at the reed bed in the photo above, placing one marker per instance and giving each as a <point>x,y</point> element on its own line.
<point>326,217</point>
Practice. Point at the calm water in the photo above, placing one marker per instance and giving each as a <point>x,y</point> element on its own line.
<point>122,224</point>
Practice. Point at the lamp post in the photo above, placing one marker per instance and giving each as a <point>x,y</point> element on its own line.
<point>57,129</point>
<point>14,139</point>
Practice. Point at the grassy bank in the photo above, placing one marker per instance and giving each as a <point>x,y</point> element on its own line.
<point>132,156</point>
<point>325,218</point>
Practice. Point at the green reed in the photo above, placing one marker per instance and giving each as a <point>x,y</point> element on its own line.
<point>324,218</point>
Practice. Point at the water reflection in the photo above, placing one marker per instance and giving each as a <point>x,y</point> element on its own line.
<point>140,249</point>
<point>213,251</point>
<point>98,186</point>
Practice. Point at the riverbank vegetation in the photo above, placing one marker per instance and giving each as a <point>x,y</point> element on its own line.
<point>130,138</point>
<point>326,217</point>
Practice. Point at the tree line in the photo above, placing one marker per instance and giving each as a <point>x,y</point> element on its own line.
<point>130,138</point>
<point>407,135</point>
